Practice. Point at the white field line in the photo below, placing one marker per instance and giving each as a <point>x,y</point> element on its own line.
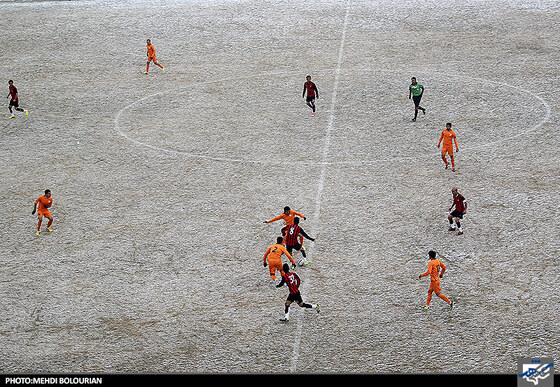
<point>324,163</point>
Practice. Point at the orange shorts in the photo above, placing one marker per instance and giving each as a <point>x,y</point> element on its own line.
<point>273,266</point>
<point>152,58</point>
<point>44,213</point>
<point>448,150</point>
<point>434,287</point>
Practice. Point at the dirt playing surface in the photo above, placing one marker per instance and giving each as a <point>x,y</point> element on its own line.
<point>161,183</point>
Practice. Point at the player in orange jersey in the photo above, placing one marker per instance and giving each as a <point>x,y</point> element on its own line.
<point>44,202</point>
<point>433,271</point>
<point>151,54</point>
<point>448,137</point>
<point>288,215</point>
<point>273,257</point>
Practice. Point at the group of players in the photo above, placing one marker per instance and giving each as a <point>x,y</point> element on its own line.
<point>436,268</point>
<point>43,202</point>
<point>293,234</point>
<point>290,241</point>
<point>447,139</point>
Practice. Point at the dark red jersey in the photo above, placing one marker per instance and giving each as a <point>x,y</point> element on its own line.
<point>292,280</point>
<point>13,93</point>
<point>292,233</point>
<point>310,88</point>
<point>459,205</point>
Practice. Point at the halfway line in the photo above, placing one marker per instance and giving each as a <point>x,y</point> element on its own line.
<point>326,149</point>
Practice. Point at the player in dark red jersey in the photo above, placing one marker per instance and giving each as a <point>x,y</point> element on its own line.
<point>14,101</point>
<point>292,235</point>
<point>293,281</point>
<point>312,93</point>
<point>460,209</point>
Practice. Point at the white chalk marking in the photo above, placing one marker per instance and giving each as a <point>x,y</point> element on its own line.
<point>324,161</point>
<point>324,164</point>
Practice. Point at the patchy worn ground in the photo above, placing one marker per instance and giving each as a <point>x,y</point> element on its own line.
<point>161,184</point>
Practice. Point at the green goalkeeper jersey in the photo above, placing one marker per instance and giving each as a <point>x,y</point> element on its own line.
<point>416,89</point>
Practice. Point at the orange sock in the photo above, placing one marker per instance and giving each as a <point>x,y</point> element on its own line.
<point>147,66</point>
<point>157,64</point>
<point>453,162</point>
<point>429,299</point>
<point>442,296</point>
<point>50,222</point>
<point>39,225</point>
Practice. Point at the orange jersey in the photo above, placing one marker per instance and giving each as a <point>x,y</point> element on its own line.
<point>274,253</point>
<point>151,50</point>
<point>44,204</point>
<point>434,267</point>
<point>448,136</point>
<point>289,219</point>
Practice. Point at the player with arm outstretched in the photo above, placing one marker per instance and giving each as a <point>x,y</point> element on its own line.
<point>288,216</point>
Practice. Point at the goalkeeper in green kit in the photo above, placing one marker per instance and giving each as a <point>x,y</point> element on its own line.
<point>415,91</point>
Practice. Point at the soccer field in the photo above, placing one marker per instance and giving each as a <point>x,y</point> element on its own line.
<point>161,183</point>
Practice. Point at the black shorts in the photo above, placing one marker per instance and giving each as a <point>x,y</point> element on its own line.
<point>311,99</point>
<point>416,99</point>
<point>14,103</point>
<point>291,248</point>
<point>295,297</point>
<point>457,214</point>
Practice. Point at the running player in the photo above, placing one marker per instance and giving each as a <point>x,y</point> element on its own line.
<point>460,209</point>
<point>14,101</point>
<point>288,215</point>
<point>415,91</point>
<point>151,54</point>
<point>293,281</point>
<point>448,137</point>
<point>433,271</point>
<point>45,202</point>
<point>292,239</point>
<point>274,257</point>
<point>312,93</point>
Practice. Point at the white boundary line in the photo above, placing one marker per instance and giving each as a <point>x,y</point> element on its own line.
<point>324,164</point>
<point>324,160</point>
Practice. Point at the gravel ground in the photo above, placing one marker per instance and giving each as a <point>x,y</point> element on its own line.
<point>161,184</point>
